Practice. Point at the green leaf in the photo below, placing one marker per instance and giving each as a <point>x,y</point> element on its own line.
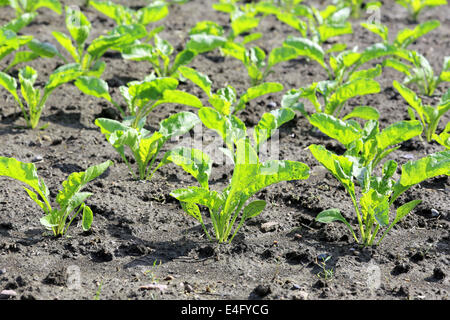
<point>20,22</point>
<point>200,43</point>
<point>243,23</point>
<point>65,41</point>
<point>306,47</point>
<point>201,196</point>
<point>94,87</point>
<point>335,128</point>
<point>193,210</point>
<point>87,219</point>
<point>63,74</point>
<point>398,132</point>
<point>178,124</point>
<point>339,166</point>
<point>258,91</point>
<point>43,49</point>
<point>403,210</point>
<point>78,180</point>
<point>27,78</point>
<point>253,209</point>
<point>24,172</point>
<point>366,74</point>
<point>183,58</point>
<point>144,92</point>
<point>331,215</point>
<point>328,31</point>
<point>363,112</point>
<point>53,5</point>
<point>351,89</point>
<point>375,206</point>
<point>414,172</point>
<point>281,54</point>
<point>378,29</point>
<point>407,36</point>
<point>275,171</point>
<point>153,13</point>
<point>193,161</point>
<point>181,97</point>
<point>398,65</point>
<point>78,25</point>
<point>10,84</point>
<point>197,78</point>
<point>292,20</point>
<point>270,122</point>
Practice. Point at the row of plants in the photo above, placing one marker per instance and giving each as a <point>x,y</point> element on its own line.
<point>358,130</point>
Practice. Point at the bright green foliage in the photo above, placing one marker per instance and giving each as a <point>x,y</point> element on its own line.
<point>415,7</point>
<point>404,37</point>
<point>249,177</point>
<point>428,115</point>
<point>143,144</point>
<point>378,193</point>
<point>123,15</point>
<point>79,28</point>
<point>365,147</point>
<point>69,197</point>
<point>255,61</point>
<point>444,137</point>
<point>356,6</point>
<point>224,104</point>
<point>413,65</point>
<point>158,55</point>
<point>335,97</point>
<point>30,6</point>
<point>10,43</point>
<point>323,25</point>
<point>35,99</point>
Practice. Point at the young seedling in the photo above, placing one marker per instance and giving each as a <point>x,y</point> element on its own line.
<point>224,104</point>
<point>35,99</point>
<point>159,56</point>
<point>415,7</point>
<point>326,274</point>
<point>249,177</point>
<point>357,5</point>
<point>335,97</point>
<point>323,25</point>
<point>255,61</point>
<point>31,6</point>
<point>70,199</point>
<point>123,15</point>
<point>404,37</point>
<point>10,43</point>
<point>144,145</point>
<point>429,116</point>
<point>365,146</point>
<point>379,193</point>
<point>88,57</point>
<point>444,137</point>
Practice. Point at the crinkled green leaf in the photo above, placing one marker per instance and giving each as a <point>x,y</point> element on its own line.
<point>94,87</point>
<point>398,132</point>
<point>335,128</point>
<point>197,78</point>
<point>178,124</point>
<point>363,112</point>
<point>308,48</point>
<point>253,209</point>
<point>414,172</point>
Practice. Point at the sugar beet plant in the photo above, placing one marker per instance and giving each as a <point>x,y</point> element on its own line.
<point>70,199</point>
<point>366,147</point>
<point>34,98</point>
<point>226,207</point>
<point>415,7</point>
<point>220,116</point>
<point>31,6</point>
<point>428,115</point>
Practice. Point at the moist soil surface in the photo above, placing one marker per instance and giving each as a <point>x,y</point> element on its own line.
<point>142,245</point>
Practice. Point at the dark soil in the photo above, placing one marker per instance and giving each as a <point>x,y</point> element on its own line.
<point>140,235</point>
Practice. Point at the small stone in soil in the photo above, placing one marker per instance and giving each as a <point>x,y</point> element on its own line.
<point>8,293</point>
<point>269,226</point>
<point>2,271</point>
<point>37,158</point>
<point>434,213</point>
<point>154,286</point>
